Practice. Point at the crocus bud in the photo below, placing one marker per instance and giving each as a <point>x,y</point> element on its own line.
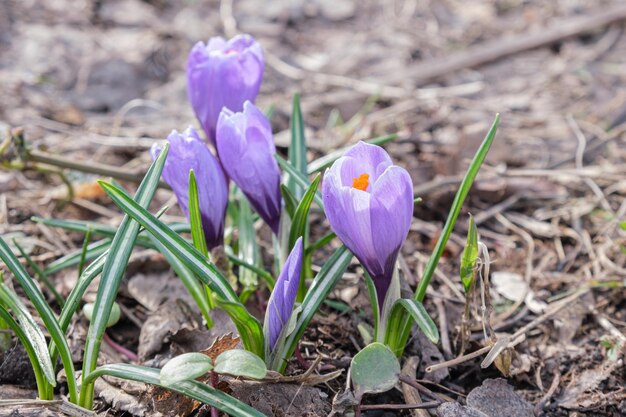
<point>280,305</point>
<point>369,205</point>
<point>223,74</point>
<point>187,152</point>
<point>246,149</point>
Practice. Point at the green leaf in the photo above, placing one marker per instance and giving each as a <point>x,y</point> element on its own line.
<point>298,177</point>
<point>266,276</point>
<point>43,277</point>
<point>249,327</point>
<point>185,367</point>
<point>45,312</point>
<point>290,200</point>
<point>320,243</point>
<point>297,148</point>
<point>417,312</point>
<point>322,285</point>
<point>374,369</point>
<point>469,257</point>
<point>247,245</point>
<point>193,389</point>
<point>114,317</point>
<point>192,258</point>
<point>371,292</point>
<point>239,362</point>
<point>327,160</point>
<point>193,286</point>
<point>33,335</point>
<point>33,357</point>
<point>113,272</point>
<point>301,214</point>
<point>195,218</point>
<point>457,204</point>
<point>72,259</point>
<point>398,343</point>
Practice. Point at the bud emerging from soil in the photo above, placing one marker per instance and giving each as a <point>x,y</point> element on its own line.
<point>280,305</point>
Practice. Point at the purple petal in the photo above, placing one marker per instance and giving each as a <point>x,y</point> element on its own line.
<point>223,74</point>
<point>282,300</point>
<point>187,152</point>
<point>364,158</point>
<point>246,148</point>
<point>348,212</point>
<point>391,214</point>
<point>373,223</point>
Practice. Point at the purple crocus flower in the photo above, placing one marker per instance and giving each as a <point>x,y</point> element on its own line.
<point>223,74</point>
<point>369,205</point>
<point>280,305</point>
<point>187,152</point>
<point>246,149</point>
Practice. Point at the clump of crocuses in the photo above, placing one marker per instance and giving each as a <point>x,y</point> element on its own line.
<point>245,145</point>
<point>187,152</point>
<point>369,205</point>
<point>223,74</point>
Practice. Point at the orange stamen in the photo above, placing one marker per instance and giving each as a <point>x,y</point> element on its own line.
<point>362,182</point>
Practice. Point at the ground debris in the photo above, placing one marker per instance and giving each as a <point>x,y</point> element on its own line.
<point>496,398</point>
<point>282,400</point>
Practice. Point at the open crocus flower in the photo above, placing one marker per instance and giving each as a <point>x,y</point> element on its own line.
<point>280,305</point>
<point>223,74</point>
<point>246,149</point>
<point>369,205</point>
<point>187,152</point>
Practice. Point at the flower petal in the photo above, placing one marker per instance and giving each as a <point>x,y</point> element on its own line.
<point>282,300</point>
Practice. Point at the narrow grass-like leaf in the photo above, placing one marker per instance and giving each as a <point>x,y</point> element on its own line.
<point>290,201</point>
<point>72,259</point>
<point>301,179</point>
<point>327,160</point>
<point>185,367</point>
<point>194,260</point>
<point>45,312</point>
<point>193,389</point>
<point>197,233</point>
<point>266,276</point>
<point>195,218</point>
<point>371,292</point>
<point>83,252</point>
<point>189,280</point>
<point>297,148</point>
<point>398,342</point>
<point>320,243</point>
<point>101,229</point>
<point>247,245</point>
<point>417,312</point>
<point>31,331</point>
<point>43,277</point>
<point>113,272</point>
<point>469,257</point>
<point>33,356</point>
<point>301,215</point>
<point>76,295</point>
<point>250,329</point>
<point>322,285</point>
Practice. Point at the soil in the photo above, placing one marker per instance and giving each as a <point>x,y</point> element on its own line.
<point>103,80</point>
